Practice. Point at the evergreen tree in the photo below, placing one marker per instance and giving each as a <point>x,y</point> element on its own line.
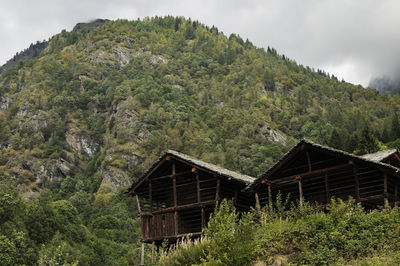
<point>395,127</point>
<point>367,142</point>
<point>335,141</point>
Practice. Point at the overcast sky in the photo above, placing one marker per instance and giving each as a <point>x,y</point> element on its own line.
<point>353,39</point>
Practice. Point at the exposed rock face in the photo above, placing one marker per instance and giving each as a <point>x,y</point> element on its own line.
<point>118,55</point>
<point>29,118</point>
<point>156,60</point>
<point>114,177</point>
<point>273,135</point>
<point>131,160</point>
<point>127,121</point>
<point>80,143</point>
<point>122,55</point>
<point>4,102</point>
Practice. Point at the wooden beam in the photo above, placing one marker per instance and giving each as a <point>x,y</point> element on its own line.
<point>176,223</point>
<point>170,176</point>
<point>185,207</point>
<point>357,183</point>
<point>138,205</point>
<point>308,161</point>
<point>203,219</point>
<point>235,197</point>
<point>327,194</point>
<point>160,238</point>
<point>142,256</point>
<point>269,195</point>
<point>198,188</point>
<point>257,202</point>
<point>385,191</point>
<point>150,197</point>
<point>217,190</point>
<point>147,175</point>
<point>175,193</point>
<point>152,252</point>
<point>300,191</point>
<point>315,172</point>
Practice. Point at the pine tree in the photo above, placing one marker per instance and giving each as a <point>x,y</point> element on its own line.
<point>335,140</point>
<point>395,127</point>
<point>367,142</point>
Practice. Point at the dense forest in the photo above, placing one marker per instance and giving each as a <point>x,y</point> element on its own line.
<point>83,114</point>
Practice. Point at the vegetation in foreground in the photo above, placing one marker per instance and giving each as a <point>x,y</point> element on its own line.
<point>343,234</point>
<point>77,229</point>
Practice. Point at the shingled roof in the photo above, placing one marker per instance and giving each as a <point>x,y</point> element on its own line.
<point>301,144</point>
<point>380,155</point>
<point>208,167</point>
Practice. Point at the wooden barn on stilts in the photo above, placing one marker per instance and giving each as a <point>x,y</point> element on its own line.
<point>176,196</point>
<point>315,173</point>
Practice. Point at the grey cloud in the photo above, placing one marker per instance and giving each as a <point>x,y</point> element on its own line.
<point>356,40</point>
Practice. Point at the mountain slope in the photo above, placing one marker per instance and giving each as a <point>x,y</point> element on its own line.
<point>105,101</point>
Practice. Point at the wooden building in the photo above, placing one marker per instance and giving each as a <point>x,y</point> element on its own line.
<point>315,173</point>
<point>176,196</point>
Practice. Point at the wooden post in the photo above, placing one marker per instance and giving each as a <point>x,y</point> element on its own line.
<point>269,195</point>
<point>175,200</point>
<point>203,219</point>
<point>308,161</point>
<point>235,197</point>
<point>385,192</point>
<point>152,252</point>
<point>138,205</point>
<point>327,194</point>
<point>257,202</point>
<point>142,256</point>
<point>357,183</point>
<point>217,192</point>
<point>300,190</point>
<point>198,188</point>
<point>150,197</point>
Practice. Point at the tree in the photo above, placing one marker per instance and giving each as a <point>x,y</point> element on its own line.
<point>367,142</point>
<point>395,127</point>
<point>335,141</point>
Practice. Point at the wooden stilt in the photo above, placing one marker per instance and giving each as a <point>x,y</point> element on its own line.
<point>152,252</point>
<point>142,256</point>
<point>386,200</point>
<point>138,205</point>
<point>301,198</point>
<point>269,195</point>
<point>257,202</point>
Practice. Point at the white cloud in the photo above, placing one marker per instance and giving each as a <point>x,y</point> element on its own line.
<point>356,40</point>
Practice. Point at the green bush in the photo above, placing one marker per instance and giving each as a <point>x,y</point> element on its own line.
<point>343,233</point>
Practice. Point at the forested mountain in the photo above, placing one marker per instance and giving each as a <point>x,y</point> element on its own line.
<point>96,106</point>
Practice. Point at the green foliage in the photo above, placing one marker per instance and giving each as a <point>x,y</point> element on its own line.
<point>343,234</point>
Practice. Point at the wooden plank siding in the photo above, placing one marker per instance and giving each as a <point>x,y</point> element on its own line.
<point>315,173</point>
<point>177,199</point>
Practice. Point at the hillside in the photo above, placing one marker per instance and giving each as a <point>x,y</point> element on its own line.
<point>92,109</point>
